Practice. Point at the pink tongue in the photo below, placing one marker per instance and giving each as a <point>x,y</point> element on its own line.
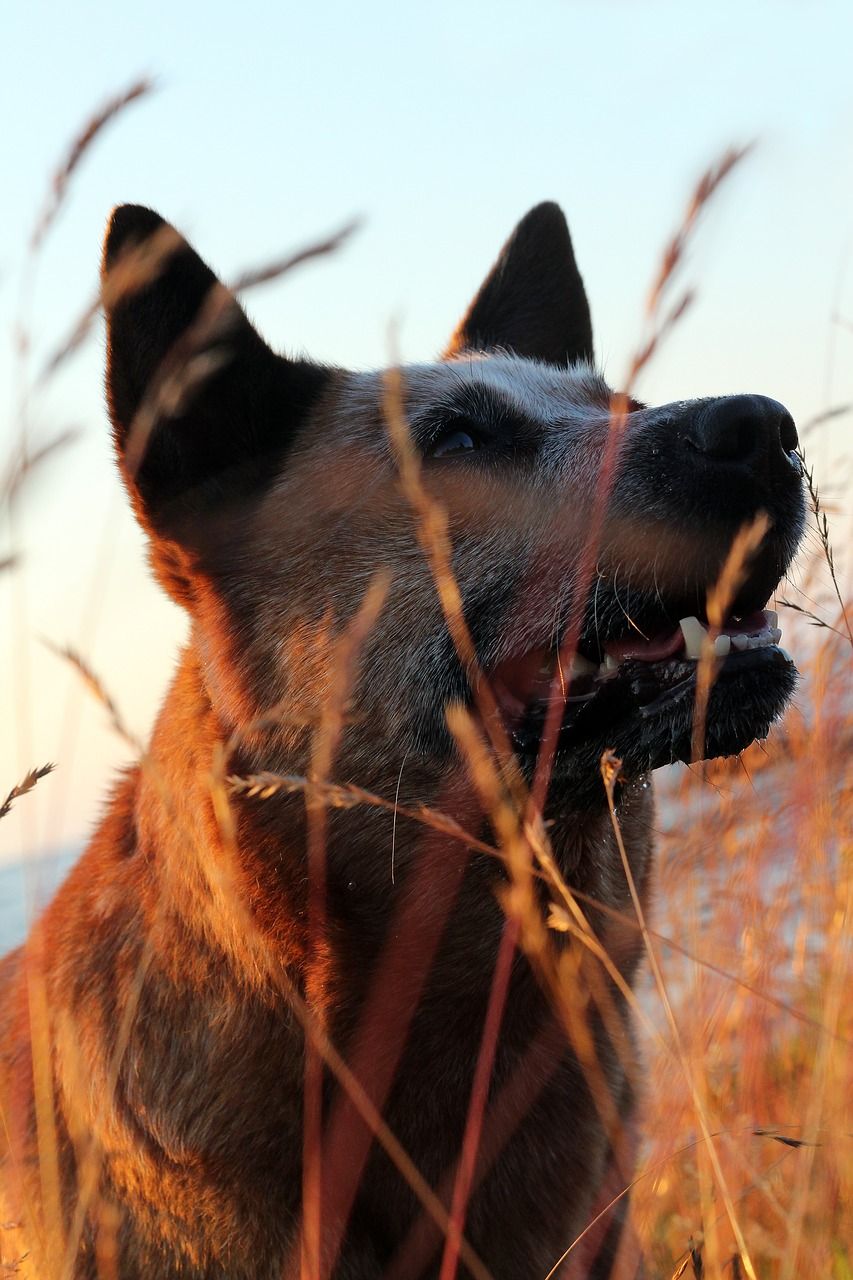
<point>634,646</point>
<point>672,642</point>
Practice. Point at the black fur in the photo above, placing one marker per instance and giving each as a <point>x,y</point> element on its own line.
<point>223,436</point>
<point>533,301</point>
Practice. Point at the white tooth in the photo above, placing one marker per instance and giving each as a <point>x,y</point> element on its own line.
<point>582,666</point>
<point>610,663</point>
<point>775,634</point>
<point>752,642</point>
<point>740,642</point>
<point>694,633</point>
<point>771,617</point>
<point>723,646</point>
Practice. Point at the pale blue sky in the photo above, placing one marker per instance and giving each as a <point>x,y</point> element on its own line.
<point>439,124</point>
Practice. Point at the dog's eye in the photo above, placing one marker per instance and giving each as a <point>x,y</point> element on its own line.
<point>454,442</point>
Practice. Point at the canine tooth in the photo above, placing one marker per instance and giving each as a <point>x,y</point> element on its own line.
<point>722,646</point>
<point>610,663</point>
<point>694,633</point>
<point>740,642</point>
<point>775,634</point>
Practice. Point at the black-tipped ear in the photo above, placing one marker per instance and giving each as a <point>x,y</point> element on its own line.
<point>533,301</point>
<point>202,409</point>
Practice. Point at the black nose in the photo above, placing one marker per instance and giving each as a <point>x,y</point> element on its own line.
<point>742,429</point>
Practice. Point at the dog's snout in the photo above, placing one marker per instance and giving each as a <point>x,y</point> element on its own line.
<point>742,429</point>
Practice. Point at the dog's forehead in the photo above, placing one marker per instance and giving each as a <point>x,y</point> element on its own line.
<point>542,393</point>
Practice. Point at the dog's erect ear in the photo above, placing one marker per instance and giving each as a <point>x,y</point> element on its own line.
<point>202,409</point>
<point>533,301</point>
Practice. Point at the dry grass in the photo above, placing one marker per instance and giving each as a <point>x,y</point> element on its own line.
<point>755,876</point>
<point>26,784</point>
<point>746,1165</point>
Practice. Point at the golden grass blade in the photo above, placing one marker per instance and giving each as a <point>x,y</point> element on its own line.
<point>347,795</point>
<point>98,690</point>
<point>21,469</point>
<point>24,786</point>
<point>140,265</point>
<point>745,545</point>
<point>253,277</point>
<point>564,983</point>
<point>431,525</point>
<point>189,363</point>
<point>837,994</point>
<point>80,145</point>
<point>646,352</point>
<point>137,266</point>
<point>672,255</point>
<point>721,972</point>
<point>813,618</point>
<point>315,1261</point>
<point>705,189</point>
<point>44,1101</point>
<point>89,1158</point>
<point>610,768</point>
<point>322,1044</point>
<point>262,786</point>
<point>822,526</point>
<point>73,342</point>
<point>821,419</point>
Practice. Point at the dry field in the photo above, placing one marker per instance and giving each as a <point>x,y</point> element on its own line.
<point>744,1009</point>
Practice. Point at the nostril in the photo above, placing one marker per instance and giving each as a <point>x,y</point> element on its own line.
<point>788,432</point>
<point>726,441</point>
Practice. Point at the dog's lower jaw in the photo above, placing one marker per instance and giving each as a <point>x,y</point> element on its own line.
<point>645,715</point>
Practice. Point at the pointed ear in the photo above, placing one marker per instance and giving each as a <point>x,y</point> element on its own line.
<point>533,300</point>
<point>202,409</point>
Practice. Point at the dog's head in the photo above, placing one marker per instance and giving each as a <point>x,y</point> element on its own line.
<point>271,493</point>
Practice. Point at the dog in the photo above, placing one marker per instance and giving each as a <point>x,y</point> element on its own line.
<point>244,1039</point>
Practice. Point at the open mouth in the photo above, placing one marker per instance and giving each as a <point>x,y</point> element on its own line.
<point>538,675</point>
<point>635,693</point>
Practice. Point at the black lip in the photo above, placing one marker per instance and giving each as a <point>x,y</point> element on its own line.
<point>644,713</point>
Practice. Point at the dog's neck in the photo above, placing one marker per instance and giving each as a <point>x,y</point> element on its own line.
<point>242,861</point>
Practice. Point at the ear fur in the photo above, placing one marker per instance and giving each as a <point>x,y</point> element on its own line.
<point>533,301</point>
<point>201,408</point>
